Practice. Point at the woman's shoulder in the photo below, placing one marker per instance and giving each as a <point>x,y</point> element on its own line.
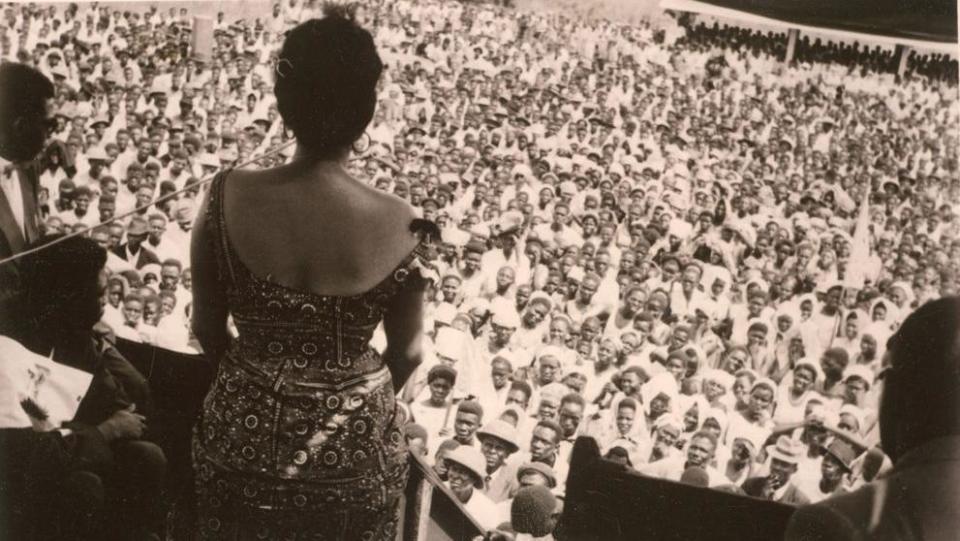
<point>394,214</point>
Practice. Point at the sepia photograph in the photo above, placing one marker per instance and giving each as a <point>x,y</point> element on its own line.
<point>480,270</point>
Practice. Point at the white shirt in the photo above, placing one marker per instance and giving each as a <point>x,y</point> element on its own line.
<point>14,193</point>
<point>483,510</point>
<point>167,249</point>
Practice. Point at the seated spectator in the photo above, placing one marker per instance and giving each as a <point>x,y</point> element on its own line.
<point>64,290</point>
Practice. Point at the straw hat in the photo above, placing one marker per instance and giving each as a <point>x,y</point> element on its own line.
<point>500,430</point>
<point>471,459</point>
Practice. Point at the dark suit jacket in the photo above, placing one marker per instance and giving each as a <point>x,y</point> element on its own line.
<point>13,239</point>
<point>793,496</point>
<point>919,499</point>
<point>144,256</point>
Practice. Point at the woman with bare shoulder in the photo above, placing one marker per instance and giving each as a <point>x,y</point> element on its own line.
<point>300,432</point>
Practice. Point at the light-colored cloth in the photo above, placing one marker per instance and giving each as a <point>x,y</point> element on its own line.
<point>56,388</point>
<point>14,194</point>
<point>483,510</point>
<point>672,469</point>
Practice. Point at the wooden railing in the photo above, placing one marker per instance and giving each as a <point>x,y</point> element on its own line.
<point>431,511</point>
<point>606,501</point>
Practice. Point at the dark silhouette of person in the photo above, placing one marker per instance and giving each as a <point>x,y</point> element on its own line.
<point>919,431</point>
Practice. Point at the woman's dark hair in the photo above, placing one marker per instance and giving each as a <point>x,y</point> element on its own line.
<point>326,80</point>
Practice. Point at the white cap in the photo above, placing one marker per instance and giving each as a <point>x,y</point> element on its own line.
<point>451,343</point>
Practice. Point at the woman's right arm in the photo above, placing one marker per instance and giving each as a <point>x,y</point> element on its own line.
<point>403,325</point>
<point>209,321</point>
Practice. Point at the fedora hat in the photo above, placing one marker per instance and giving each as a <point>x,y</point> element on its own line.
<point>843,452</point>
<point>786,450</point>
<point>137,226</point>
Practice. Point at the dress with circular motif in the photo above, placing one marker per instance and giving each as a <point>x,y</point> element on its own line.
<point>300,436</point>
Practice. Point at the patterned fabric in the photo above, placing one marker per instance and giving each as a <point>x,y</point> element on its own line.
<point>300,433</point>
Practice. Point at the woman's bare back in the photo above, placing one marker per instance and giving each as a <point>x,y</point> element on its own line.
<point>315,230</point>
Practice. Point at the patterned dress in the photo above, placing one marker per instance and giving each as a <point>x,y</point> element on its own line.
<point>300,435</point>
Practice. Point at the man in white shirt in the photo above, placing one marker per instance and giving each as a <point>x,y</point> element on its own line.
<point>434,412</point>
<point>159,243</point>
<point>80,213</point>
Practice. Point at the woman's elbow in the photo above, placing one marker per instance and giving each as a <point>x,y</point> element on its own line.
<point>209,334</point>
<point>414,359</point>
<point>411,356</point>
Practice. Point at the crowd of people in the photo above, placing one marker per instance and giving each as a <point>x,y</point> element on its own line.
<point>857,58</point>
<point>657,235</point>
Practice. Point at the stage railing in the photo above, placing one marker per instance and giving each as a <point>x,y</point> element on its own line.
<point>179,383</point>
<point>606,501</point>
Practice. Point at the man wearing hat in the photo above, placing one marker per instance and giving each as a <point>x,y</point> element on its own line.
<point>498,440</point>
<point>835,469</point>
<point>466,470</point>
<point>529,474</point>
<point>544,447</point>
<point>98,161</point>
<point>507,230</point>
<point>133,250</point>
<point>777,485</point>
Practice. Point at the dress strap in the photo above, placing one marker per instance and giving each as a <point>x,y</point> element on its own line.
<point>216,207</point>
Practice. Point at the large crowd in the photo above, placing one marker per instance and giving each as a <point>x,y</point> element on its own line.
<point>657,235</point>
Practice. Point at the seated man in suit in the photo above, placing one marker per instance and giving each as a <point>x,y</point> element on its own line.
<point>919,430</point>
<point>64,292</point>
